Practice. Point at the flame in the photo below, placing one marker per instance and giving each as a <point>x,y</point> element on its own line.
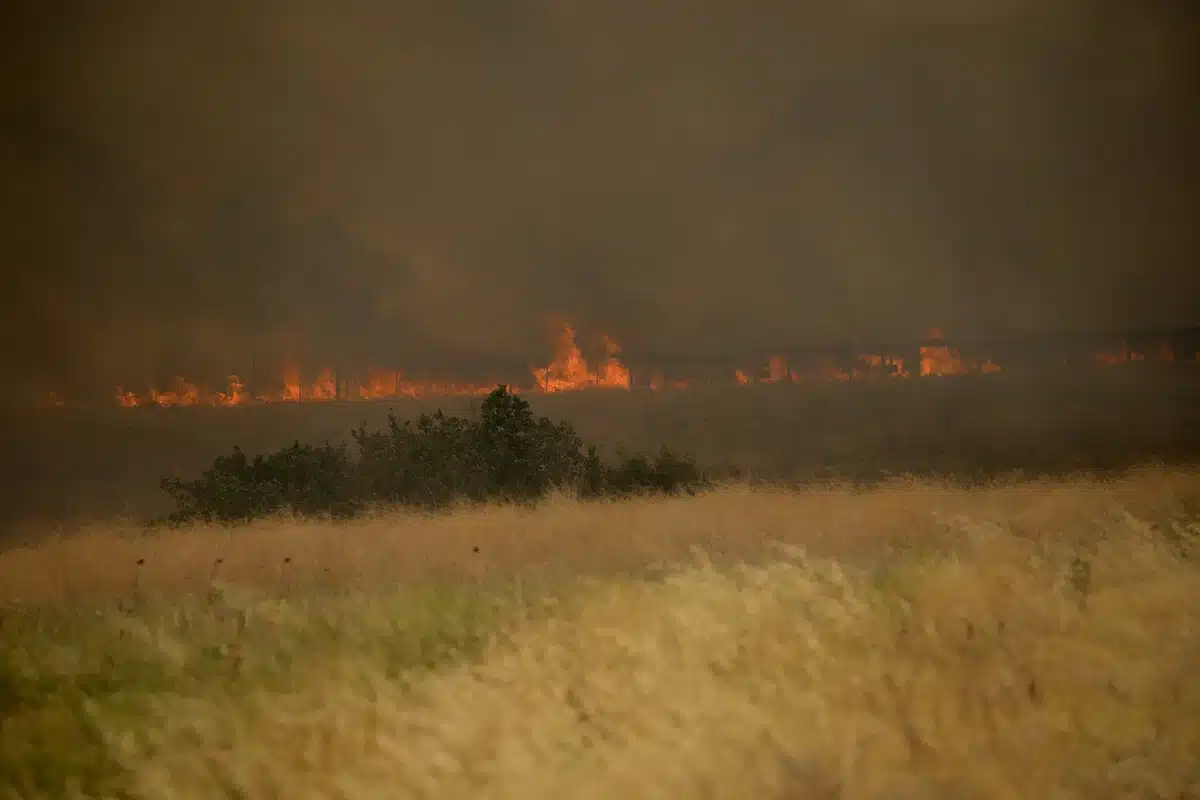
<point>186,393</point>
<point>936,358</point>
<point>939,359</point>
<point>380,385</point>
<point>384,384</point>
<point>235,393</point>
<point>827,368</point>
<point>128,399</point>
<point>325,386</point>
<point>570,370</point>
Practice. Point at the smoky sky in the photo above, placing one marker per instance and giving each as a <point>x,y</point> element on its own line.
<point>191,184</point>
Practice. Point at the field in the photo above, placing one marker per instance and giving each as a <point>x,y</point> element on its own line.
<point>78,464</point>
<point>792,637</point>
<point>1032,639</point>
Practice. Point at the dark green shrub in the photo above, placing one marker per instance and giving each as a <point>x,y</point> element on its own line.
<point>668,474</point>
<point>300,478</point>
<point>424,464</point>
<point>524,456</point>
<point>502,453</point>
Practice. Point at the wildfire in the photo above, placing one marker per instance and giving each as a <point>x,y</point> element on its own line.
<point>323,388</point>
<point>186,393</point>
<point>384,384</point>
<point>571,370</point>
<point>938,359</point>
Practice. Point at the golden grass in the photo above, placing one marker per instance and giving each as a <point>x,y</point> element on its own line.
<point>565,537</point>
<point>918,641</point>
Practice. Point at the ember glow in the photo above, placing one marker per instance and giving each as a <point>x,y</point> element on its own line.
<point>938,359</point>
<point>1162,354</point>
<point>570,370</point>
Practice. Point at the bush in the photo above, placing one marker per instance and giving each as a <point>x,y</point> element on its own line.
<point>301,479</point>
<point>637,474</point>
<point>502,453</point>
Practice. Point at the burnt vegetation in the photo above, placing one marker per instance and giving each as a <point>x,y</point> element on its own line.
<point>500,453</point>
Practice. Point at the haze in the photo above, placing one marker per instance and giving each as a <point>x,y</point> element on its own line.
<point>426,185</point>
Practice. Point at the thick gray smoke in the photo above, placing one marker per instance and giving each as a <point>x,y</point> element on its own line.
<point>188,185</point>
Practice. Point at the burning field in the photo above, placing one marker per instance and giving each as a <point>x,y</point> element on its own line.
<point>572,370</point>
<point>551,399</point>
<point>930,407</point>
<point>824,627</point>
<point>829,625</point>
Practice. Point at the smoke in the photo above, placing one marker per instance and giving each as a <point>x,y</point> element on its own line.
<point>194,185</point>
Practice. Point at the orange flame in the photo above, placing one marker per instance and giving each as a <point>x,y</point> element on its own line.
<point>235,393</point>
<point>384,384</point>
<point>827,368</point>
<point>938,359</point>
<point>186,393</point>
<point>380,385</point>
<point>570,370</point>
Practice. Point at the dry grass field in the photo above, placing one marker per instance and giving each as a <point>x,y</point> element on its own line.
<point>1034,639</point>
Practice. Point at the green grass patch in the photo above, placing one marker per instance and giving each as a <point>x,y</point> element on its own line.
<point>61,668</point>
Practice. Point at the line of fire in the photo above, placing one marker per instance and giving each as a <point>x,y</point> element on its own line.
<point>610,367</point>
